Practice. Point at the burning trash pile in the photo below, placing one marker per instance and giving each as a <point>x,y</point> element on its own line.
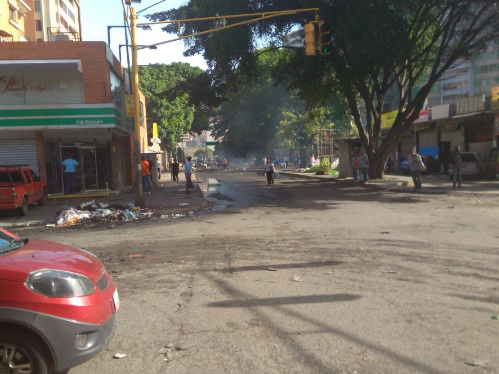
<point>93,212</point>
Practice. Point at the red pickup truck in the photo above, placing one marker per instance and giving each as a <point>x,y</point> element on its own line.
<point>19,187</point>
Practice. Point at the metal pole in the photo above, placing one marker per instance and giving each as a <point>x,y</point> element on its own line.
<point>139,197</point>
<point>109,35</point>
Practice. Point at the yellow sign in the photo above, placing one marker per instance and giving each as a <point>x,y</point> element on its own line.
<point>129,105</point>
<point>154,130</point>
<point>387,119</point>
<point>495,98</point>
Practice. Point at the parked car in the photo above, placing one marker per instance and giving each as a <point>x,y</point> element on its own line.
<point>19,187</point>
<point>491,164</point>
<point>57,306</point>
<point>472,165</point>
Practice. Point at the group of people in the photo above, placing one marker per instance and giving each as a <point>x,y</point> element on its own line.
<point>360,164</point>
<point>174,168</point>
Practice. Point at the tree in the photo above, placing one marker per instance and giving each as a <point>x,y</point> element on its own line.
<point>252,110</point>
<point>376,46</point>
<point>179,98</point>
<point>204,152</point>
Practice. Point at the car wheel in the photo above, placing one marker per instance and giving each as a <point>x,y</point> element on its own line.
<point>23,209</point>
<point>45,198</point>
<point>20,354</point>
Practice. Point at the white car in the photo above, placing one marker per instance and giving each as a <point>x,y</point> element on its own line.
<point>472,165</point>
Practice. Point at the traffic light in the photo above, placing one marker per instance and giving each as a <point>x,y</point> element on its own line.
<point>325,38</point>
<point>310,48</point>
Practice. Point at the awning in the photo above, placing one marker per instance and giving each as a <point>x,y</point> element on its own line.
<point>421,127</point>
<point>467,115</point>
<point>16,65</point>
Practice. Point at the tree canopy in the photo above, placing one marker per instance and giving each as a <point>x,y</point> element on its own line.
<point>377,46</point>
<point>179,97</point>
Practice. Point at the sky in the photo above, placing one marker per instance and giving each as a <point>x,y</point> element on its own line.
<point>96,15</point>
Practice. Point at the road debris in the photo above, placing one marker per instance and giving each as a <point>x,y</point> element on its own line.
<point>119,355</point>
<point>272,269</point>
<point>297,278</point>
<point>93,212</point>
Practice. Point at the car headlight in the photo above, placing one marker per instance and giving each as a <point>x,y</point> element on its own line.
<point>57,283</point>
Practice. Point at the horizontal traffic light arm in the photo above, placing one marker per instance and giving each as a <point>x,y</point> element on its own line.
<point>258,17</point>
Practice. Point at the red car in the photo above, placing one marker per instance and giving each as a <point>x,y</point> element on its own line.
<point>19,187</point>
<point>57,306</point>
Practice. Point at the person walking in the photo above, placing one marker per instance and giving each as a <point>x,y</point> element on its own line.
<point>297,162</point>
<point>269,170</point>
<point>170,168</point>
<point>417,166</point>
<point>188,174</point>
<point>364,165</point>
<point>69,166</point>
<point>457,163</point>
<point>146,176</point>
<point>175,168</point>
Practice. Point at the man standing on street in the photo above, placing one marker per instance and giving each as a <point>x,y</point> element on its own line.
<point>69,165</point>
<point>146,176</point>
<point>364,166</point>
<point>188,175</point>
<point>416,165</point>
<point>175,167</point>
<point>457,163</point>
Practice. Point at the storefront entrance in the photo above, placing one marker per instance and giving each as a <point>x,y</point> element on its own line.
<point>94,165</point>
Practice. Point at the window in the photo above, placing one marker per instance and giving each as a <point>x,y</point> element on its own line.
<point>71,15</point>
<point>64,23</point>
<point>38,6</point>
<point>39,25</point>
<point>484,69</point>
<point>493,67</point>
<point>12,14</point>
<point>63,6</point>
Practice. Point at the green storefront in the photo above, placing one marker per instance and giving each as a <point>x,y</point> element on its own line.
<point>96,135</point>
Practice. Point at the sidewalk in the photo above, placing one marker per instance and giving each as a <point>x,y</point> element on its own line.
<point>432,184</point>
<point>167,198</point>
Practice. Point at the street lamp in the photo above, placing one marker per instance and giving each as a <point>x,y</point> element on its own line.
<point>145,27</point>
<point>129,45</point>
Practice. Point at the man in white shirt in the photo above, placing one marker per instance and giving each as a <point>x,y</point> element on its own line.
<point>416,165</point>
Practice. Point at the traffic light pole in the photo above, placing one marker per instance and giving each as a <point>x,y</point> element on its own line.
<point>139,196</point>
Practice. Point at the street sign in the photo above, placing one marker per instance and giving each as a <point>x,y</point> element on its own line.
<point>129,105</point>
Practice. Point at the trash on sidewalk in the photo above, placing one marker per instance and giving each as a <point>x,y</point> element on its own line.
<point>95,212</point>
<point>119,355</point>
<point>184,204</point>
<point>297,278</point>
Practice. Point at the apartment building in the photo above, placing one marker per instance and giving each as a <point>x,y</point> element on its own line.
<point>57,20</point>
<point>17,21</point>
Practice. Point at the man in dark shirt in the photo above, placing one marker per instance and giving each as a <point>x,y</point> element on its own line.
<point>175,168</point>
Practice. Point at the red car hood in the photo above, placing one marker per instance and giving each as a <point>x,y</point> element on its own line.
<point>40,254</point>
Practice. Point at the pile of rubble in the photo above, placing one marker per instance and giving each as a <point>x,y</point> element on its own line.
<point>93,212</point>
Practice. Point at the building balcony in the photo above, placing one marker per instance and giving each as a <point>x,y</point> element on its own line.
<point>56,34</point>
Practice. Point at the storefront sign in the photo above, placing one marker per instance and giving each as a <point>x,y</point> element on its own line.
<point>423,116</point>
<point>495,98</point>
<point>129,105</point>
<point>9,84</point>
<point>82,122</point>
<point>388,119</point>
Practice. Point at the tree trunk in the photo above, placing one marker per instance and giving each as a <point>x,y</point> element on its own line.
<point>377,167</point>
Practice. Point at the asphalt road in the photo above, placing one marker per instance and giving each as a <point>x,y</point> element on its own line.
<point>304,277</point>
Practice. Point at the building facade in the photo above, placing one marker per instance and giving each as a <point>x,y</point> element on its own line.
<point>17,21</point>
<point>66,98</point>
<point>57,20</point>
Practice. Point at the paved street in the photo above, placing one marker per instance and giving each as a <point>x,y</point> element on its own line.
<point>303,277</point>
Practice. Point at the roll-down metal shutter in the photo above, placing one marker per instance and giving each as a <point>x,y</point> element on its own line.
<point>19,152</point>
